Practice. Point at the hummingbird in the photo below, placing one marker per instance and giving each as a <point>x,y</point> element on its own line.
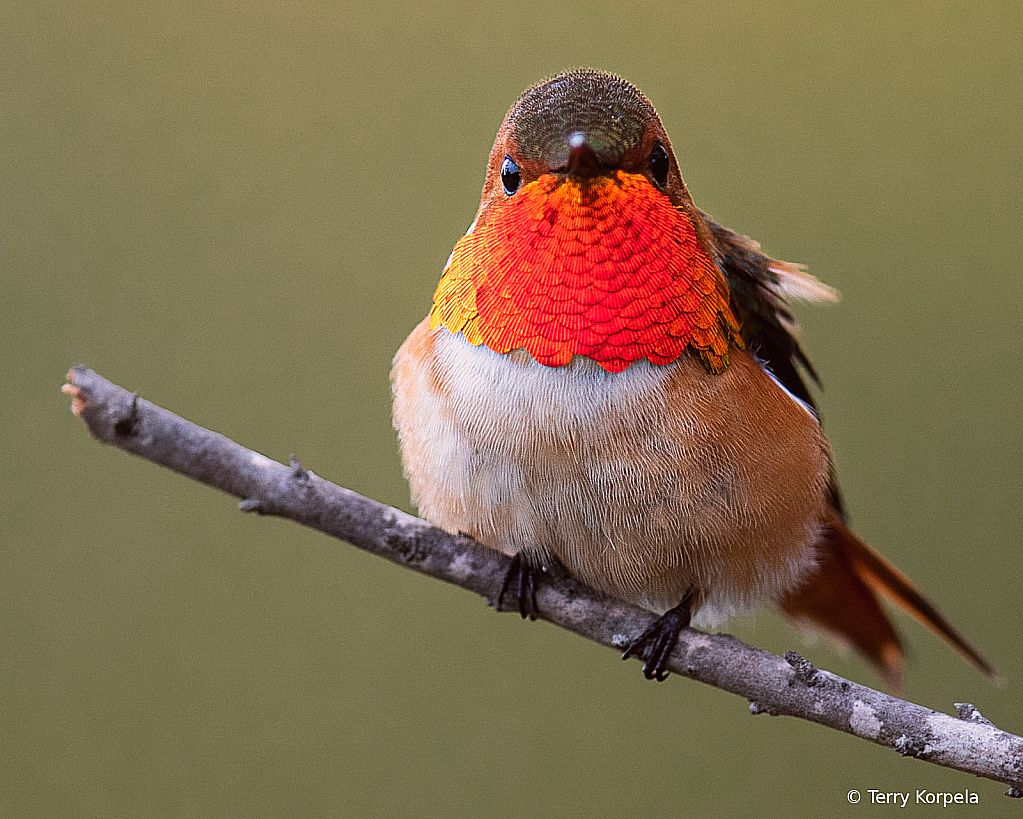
<point>609,384</point>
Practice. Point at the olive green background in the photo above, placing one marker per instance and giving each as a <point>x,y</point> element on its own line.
<point>240,210</point>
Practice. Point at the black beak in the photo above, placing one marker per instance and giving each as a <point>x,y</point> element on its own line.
<point>582,158</point>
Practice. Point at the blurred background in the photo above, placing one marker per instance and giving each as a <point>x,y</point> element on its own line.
<point>240,211</point>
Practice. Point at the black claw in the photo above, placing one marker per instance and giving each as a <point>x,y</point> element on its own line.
<point>524,577</point>
<point>660,640</point>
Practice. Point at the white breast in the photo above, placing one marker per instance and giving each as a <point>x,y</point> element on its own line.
<point>638,482</point>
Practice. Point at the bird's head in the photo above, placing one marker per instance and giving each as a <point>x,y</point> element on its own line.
<point>587,241</point>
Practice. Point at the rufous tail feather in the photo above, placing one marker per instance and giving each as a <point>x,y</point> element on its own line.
<point>842,598</point>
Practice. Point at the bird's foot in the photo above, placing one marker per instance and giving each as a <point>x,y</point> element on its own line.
<point>660,640</point>
<point>521,579</point>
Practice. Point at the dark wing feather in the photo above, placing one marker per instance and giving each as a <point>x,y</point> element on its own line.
<point>759,286</point>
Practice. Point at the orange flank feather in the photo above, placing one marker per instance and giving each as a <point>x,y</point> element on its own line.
<point>603,267</point>
<point>841,597</point>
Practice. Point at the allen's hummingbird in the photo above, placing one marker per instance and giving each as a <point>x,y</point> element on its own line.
<point>609,382</point>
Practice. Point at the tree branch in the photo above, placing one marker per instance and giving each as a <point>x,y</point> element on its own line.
<point>788,686</point>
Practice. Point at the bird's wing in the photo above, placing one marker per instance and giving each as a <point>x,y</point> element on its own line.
<point>760,288</point>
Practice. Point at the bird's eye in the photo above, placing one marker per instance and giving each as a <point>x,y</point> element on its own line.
<point>659,164</point>
<point>510,176</point>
